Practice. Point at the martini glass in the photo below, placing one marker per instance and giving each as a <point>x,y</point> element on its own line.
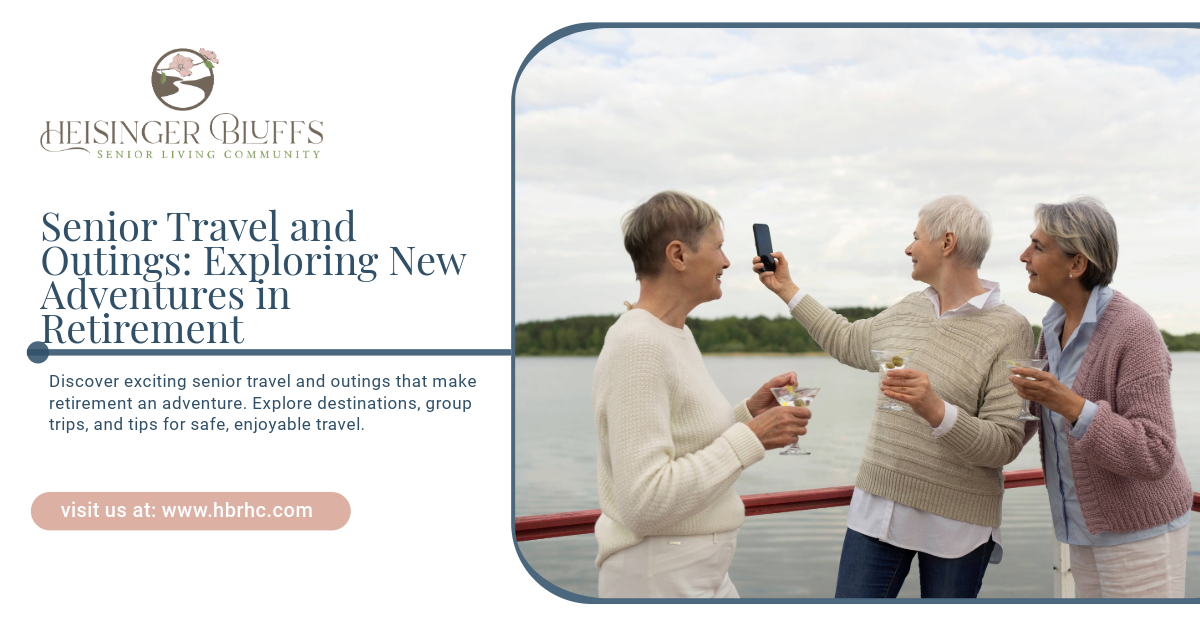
<point>1033,363</point>
<point>891,359</point>
<point>793,396</point>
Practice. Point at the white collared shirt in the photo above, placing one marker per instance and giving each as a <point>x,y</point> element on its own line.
<point>910,528</point>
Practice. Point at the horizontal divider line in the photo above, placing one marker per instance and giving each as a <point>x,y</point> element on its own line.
<point>279,352</point>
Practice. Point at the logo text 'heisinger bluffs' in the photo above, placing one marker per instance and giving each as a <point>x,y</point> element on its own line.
<point>183,79</point>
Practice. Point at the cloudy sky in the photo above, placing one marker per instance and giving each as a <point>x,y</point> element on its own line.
<point>835,138</point>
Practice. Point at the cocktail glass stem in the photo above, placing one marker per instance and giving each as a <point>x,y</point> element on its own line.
<point>1032,363</point>
<point>793,450</point>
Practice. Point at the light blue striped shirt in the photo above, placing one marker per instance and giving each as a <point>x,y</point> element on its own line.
<point>1060,483</point>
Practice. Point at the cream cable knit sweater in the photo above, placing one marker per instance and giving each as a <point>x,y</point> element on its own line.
<point>957,475</point>
<point>671,446</point>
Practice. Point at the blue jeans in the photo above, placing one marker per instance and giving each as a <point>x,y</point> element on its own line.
<point>872,568</point>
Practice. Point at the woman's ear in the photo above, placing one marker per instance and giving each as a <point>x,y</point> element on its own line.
<point>949,241</point>
<point>675,255</point>
<point>1079,265</point>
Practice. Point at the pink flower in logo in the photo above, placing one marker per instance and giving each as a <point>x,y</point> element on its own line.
<point>210,55</point>
<point>182,64</point>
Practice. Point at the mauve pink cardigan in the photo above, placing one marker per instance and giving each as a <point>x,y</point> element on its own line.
<point>1128,474</point>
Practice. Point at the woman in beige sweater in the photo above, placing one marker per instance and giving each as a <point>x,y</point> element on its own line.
<point>670,444</point>
<point>930,483</point>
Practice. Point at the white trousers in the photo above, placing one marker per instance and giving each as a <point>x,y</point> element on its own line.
<point>672,566</point>
<point>1153,567</point>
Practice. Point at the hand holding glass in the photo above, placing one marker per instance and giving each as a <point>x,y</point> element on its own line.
<point>793,396</point>
<point>890,359</point>
<point>1038,364</point>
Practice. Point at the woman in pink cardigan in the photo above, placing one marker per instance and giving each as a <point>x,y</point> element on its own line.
<point>1119,495</point>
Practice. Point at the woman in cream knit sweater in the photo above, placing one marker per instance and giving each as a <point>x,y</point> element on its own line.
<point>670,444</point>
<point>930,483</point>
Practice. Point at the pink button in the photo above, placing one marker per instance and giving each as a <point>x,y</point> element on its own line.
<point>190,511</point>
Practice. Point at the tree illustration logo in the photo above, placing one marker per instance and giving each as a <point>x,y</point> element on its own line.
<point>183,78</point>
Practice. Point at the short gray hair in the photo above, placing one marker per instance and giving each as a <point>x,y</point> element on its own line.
<point>666,217</point>
<point>1083,225</point>
<point>970,225</point>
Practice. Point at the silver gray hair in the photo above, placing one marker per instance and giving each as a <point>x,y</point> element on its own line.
<point>971,226</point>
<point>1083,225</point>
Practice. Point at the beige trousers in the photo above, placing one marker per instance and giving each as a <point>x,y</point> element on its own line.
<point>1153,567</point>
<point>672,566</point>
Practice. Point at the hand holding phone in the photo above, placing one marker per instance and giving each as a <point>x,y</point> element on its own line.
<point>762,244</point>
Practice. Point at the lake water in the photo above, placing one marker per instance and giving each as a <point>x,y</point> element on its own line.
<point>790,554</point>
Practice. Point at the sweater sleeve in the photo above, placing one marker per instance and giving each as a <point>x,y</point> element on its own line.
<point>994,437</point>
<point>741,412</point>
<point>1032,427</point>
<point>652,487</point>
<point>848,343</point>
<point>1134,434</point>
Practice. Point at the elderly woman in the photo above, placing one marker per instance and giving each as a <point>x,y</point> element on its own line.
<point>1119,495</point>
<point>671,446</point>
<point>930,483</point>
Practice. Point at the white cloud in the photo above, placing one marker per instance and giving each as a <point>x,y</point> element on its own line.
<point>836,137</point>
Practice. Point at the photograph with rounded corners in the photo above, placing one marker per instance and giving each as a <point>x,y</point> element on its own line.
<point>978,249</point>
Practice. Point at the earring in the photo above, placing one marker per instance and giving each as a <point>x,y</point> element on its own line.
<point>1070,276</point>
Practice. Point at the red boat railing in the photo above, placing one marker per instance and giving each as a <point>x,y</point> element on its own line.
<point>584,521</point>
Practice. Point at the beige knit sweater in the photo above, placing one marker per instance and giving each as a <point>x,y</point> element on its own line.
<point>957,475</point>
<point>671,446</point>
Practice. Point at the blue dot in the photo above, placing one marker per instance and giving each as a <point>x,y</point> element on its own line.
<point>37,352</point>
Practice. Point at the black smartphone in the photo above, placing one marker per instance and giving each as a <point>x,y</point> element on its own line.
<point>762,243</point>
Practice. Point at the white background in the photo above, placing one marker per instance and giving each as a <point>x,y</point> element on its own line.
<point>416,109</point>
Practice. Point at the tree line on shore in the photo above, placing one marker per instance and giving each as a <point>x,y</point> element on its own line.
<point>584,335</point>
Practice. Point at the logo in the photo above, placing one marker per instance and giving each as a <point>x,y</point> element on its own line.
<point>183,78</point>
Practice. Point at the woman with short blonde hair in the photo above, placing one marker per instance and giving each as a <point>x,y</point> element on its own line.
<point>670,445</point>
